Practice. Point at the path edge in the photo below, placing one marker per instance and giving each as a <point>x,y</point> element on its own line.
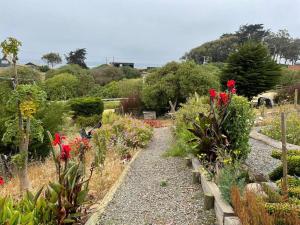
<point>93,219</point>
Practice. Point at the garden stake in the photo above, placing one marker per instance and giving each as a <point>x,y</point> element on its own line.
<point>284,157</point>
<point>296,98</point>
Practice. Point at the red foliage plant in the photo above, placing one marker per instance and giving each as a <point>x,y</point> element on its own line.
<point>154,123</point>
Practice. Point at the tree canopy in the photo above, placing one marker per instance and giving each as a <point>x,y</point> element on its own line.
<point>252,68</point>
<point>52,59</point>
<point>77,57</point>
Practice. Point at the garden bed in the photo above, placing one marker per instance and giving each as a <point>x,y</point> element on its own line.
<point>224,212</point>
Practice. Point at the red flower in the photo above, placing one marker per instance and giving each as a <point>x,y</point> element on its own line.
<point>230,84</point>
<point>223,100</point>
<point>57,140</point>
<point>2,181</point>
<point>233,90</point>
<point>212,93</point>
<point>65,153</point>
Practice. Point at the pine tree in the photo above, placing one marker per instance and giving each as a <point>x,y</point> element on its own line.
<point>252,68</point>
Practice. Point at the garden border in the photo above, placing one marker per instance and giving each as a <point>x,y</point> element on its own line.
<point>224,212</point>
<point>93,219</point>
<point>255,134</point>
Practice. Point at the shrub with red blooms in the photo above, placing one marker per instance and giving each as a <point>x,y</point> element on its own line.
<point>71,189</point>
<point>2,181</point>
<point>210,135</point>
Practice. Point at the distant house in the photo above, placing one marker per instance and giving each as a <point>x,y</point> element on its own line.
<point>121,64</point>
<point>4,63</point>
<point>294,67</point>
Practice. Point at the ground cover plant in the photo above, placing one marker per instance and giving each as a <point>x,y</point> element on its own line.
<point>273,129</point>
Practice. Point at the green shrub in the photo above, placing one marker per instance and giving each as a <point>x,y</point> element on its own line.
<point>281,207</point>
<point>106,73</point>
<point>293,163</point>
<point>276,154</point>
<point>62,87</point>
<point>183,118</point>
<point>176,82</point>
<point>118,89</point>
<point>130,72</point>
<point>73,69</point>
<point>231,176</point>
<point>111,104</point>
<point>292,129</point>
<point>86,106</point>
<point>238,125</point>
<point>26,74</point>
<point>88,121</point>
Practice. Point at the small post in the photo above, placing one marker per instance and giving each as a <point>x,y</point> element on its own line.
<point>188,161</point>
<point>209,201</point>
<point>296,98</point>
<point>196,175</point>
<point>284,157</point>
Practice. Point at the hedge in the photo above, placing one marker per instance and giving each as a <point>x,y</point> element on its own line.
<point>87,106</point>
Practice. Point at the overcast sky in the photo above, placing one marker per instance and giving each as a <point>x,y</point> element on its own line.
<point>148,32</point>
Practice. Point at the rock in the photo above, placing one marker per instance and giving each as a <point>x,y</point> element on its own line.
<point>256,188</point>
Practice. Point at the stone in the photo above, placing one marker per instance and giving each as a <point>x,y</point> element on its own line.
<point>256,189</point>
<point>232,220</point>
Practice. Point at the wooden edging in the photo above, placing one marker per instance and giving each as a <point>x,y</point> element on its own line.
<point>255,134</point>
<point>213,199</point>
<point>110,194</point>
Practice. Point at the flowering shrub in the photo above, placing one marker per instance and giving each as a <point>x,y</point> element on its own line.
<point>123,134</point>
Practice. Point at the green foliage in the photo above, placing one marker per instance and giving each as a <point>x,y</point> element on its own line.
<point>11,46</point>
<point>293,163</point>
<point>230,176</point>
<point>176,82</point>
<point>73,69</point>
<point>276,154</point>
<point>88,121</point>
<point>238,125</point>
<point>62,87</point>
<point>289,77</point>
<point>123,133</point>
<point>27,75</point>
<point>30,210</point>
<point>292,129</point>
<point>86,106</point>
<point>77,57</point>
<point>105,74</point>
<point>130,72</point>
<point>44,68</point>
<point>252,68</point>
<point>52,58</point>
<point>111,104</point>
<point>187,113</point>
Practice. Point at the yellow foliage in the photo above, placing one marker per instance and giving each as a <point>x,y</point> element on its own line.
<point>28,108</point>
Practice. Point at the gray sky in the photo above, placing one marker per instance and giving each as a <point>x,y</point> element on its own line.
<point>148,32</point>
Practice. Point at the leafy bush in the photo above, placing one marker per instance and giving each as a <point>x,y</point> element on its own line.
<point>183,120</point>
<point>26,74</point>
<point>231,176</point>
<point>293,163</point>
<point>62,87</point>
<point>289,77</point>
<point>130,72</point>
<point>292,129</point>
<point>118,89</point>
<point>238,125</point>
<point>87,106</point>
<point>73,69</point>
<point>276,154</point>
<point>44,68</point>
<point>106,73</point>
<point>111,104</point>
<point>88,121</point>
<point>123,133</point>
<point>176,82</point>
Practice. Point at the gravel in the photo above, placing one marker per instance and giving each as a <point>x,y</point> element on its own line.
<point>157,191</point>
<point>259,159</point>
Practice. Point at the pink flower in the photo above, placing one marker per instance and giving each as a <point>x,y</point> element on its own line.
<point>233,91</point>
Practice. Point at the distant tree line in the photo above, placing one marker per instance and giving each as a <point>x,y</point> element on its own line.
<point>282,47</point>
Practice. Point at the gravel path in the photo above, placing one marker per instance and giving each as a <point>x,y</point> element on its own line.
<point>157,191</point>
<point>259,159</point>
